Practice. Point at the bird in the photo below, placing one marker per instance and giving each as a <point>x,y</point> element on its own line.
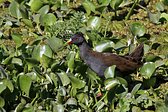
<point>99,62</point>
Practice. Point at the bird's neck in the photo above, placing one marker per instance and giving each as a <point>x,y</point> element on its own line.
<point>84,48</point>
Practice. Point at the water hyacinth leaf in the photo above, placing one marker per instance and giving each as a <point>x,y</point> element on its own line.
<point>71,101</point>
<point>137,29</point>
<point>88,6</point>
<point>45,61</point>
<point>47,19</point>
<point>103,46</point>
<point>70,59</point>
<point>56,44</point>
<point>135,89</point>
<point>104,2</point>
<point>2,102</point>
<point>20,106</point>
<point>64,78</point>
<point>147,70</point>
<point>122,81</point>
<point>28,22</point>
<point>17,39</point>
<point>2,87</point>
<point>58,108</point>
<point>94,22</point>
<point>25,83</point>
<point>17,61</point>
<point>77,83</point>
<point>14,9</point>
<point>154,17</point>
<point>8,84</point>
<point>164,15</point>
<point>44,10</point>
<point>41,50</point>
<point>147,83</point>
<point>115,3</point>
<point>111,83</point>
<point>35,5</point>
<point>100,105</point>
<point>110,72</point>
<point>159,6</point>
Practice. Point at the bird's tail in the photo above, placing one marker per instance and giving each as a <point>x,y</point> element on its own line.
<point>138,53</point>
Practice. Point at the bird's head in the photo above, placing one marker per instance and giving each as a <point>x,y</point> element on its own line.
<point>76,39</point>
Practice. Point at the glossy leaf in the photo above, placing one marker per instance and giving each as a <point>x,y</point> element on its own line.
<point>154,17</point>
<point>35,5</point>
<point>56,44</point>
<point>94,22</point>
<point>58,108</point>
<point>111,83</point>
<point>115,3</point>
<point>71,101</point>
<point>25,83</point>
<point>48,19</point>
<point>135,89</point>
<point>77,83</point>
<point>28,22</point>
<point>104,2</point>
<point>17,39</point>
<point>137,29</point>
<point>110,72</point>
<point>165,16</point>
<point>8,84</point>
<point>147,70</point>
<point>14,9</point>
<point>44,10</point>
<point>70,59</point>
<point>103,46</point>
<point>88,6</point>
<point>2,87</point>
<point>2,102</point>
<point>17,61</point>
<point>64,78</point>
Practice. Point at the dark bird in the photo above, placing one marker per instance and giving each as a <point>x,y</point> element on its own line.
<point>98,61</point>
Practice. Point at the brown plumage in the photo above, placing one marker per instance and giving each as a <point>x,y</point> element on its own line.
<point>98,61</point>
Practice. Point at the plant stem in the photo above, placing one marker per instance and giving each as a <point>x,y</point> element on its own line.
<point>131,10</point>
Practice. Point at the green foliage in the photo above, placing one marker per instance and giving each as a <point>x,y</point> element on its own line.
<point>38,72</point>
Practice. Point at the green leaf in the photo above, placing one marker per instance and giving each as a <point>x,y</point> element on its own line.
<point>77,83</point>
<point>58,108</point>
<point>17,39</point>
<point>104,2</point>
<point>70,59</point>
<point>71,101</point>
<point>135,89</point>
<point>110,72</point>
<point>64,78</point>
<point>25,83</point>
<point>94,22</point>
<point>2,87</point>
<point>165,16</point>
<point>115,4</point>
<point>2,102</point>
<point>160,6</point>
<point>111,83</point>
<point>48,19</point>
<point>44,10</point>
<point>35,5</point>
<point>88,6</point>
<point>14,9</point>
<point>41,50</point>
<point>28,22</point>
<point>147,70</point>
<point>8,84</point>
<point>154,18</point>
<point>103,46</point>
<point>137,29</point>
<point>56,44</point>
<point>17,61</point>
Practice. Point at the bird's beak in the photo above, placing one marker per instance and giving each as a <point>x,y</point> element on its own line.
<point>69,42</point>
